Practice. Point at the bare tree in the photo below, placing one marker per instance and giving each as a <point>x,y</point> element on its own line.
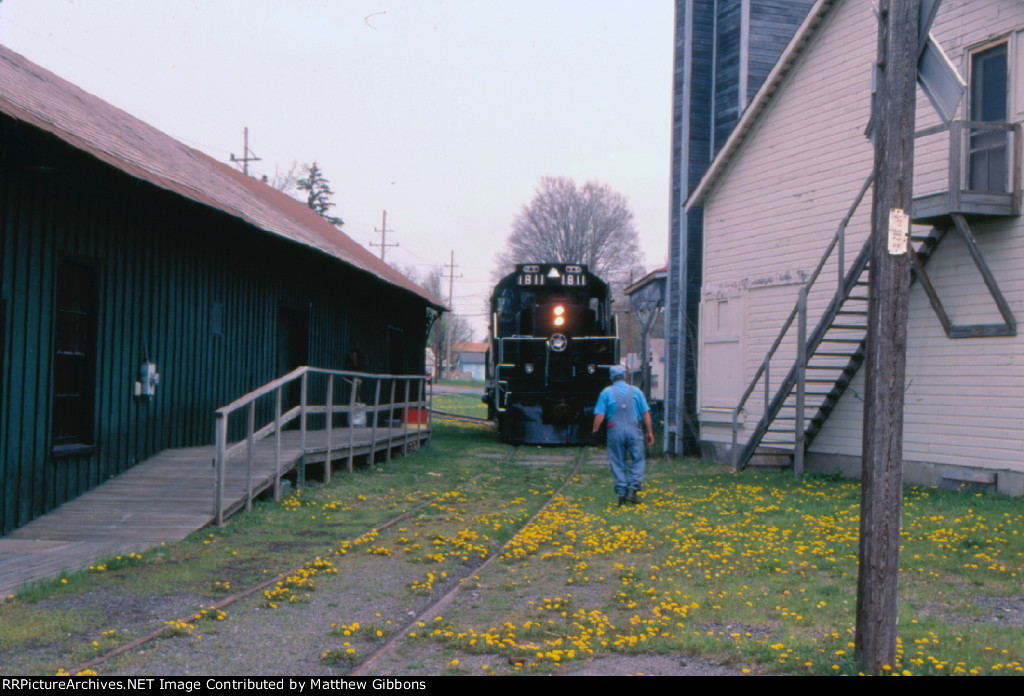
<point>450,328</point>
<point>410,272</point>
<point>564,223</point>
<point>285,182</point>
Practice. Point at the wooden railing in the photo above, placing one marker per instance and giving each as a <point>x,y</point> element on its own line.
<point>411,392</point>
<point>978,171</point>
<point>846,278</point>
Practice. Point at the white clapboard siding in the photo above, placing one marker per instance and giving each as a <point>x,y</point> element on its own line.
<point>770,218</point>
<point>770,215</point>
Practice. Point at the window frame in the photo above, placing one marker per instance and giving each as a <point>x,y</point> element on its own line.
<point>980,171</point>
<point>74,354</point>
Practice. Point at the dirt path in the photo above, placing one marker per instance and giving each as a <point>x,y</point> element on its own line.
<point>352,612</point>
<point>256,640</point>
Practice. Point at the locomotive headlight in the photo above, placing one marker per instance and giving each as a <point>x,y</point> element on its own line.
<point>591,369</point>
<point>559,315</point>
<point>529,368</point>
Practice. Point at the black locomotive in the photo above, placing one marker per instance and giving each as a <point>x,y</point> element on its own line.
<point>552,340</point>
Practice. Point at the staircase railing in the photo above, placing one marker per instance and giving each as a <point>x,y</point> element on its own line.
<point>412,392</point>
<point>846,281</point>
<point>993,189</point>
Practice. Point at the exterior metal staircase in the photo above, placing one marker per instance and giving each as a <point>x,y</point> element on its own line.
<point>825,361</point>
<point>984,180</point>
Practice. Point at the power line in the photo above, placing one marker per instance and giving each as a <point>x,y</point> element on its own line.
<point>451,266</point>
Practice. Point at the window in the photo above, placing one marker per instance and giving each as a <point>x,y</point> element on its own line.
<point>988,148</point>
<point>74,360</point>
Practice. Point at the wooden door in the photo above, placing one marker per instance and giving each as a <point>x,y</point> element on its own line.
<point>988,149</point>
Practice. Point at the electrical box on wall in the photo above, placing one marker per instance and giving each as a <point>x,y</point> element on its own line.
<point>149,378</point>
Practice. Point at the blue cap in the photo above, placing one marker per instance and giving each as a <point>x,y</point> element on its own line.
<point>617,372</point>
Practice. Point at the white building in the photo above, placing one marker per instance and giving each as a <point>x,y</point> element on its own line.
<point>773,201</point>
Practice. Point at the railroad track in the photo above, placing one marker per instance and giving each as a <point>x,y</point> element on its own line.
<point>435,606</point>
<point>573,457</point>
<point>460,418</point>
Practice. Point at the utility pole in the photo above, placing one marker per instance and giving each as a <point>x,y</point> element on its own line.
<point>451,266</point>
<point>629,335</point>
<point>885,364</point>
<point>383,232</point>
<point>247,156</point>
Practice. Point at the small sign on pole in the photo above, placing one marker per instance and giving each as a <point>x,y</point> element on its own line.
<point>899,232</point>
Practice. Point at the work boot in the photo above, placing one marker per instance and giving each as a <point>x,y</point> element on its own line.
<point>622,500</point>
<point>631,498</point>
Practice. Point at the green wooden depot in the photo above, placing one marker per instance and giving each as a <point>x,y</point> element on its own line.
<point>125,254</point>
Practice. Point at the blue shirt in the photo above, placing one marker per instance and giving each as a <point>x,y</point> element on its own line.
<point>606,402</point>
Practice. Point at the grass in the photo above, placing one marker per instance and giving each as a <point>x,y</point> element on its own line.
<point>20,625</point>
<point>756,570</point>
<point>733,566</point>
<point>461,404</point>
<point>462,383</point>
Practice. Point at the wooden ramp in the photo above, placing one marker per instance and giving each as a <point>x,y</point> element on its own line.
<point>167,497</point>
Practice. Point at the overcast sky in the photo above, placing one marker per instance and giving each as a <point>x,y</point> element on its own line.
<point>445,113</point>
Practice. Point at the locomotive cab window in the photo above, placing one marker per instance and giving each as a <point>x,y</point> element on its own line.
<point>503,306</point>
<point>596,315</point>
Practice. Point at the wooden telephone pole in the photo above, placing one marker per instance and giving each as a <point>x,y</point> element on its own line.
<point>451,266</point>
<point>247,155</point>
<point>383,235</point>
<point>885,366</point>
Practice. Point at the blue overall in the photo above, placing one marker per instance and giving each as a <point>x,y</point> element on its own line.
<point>623,407</point>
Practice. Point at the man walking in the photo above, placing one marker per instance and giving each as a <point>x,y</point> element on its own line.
<point>625,408</point>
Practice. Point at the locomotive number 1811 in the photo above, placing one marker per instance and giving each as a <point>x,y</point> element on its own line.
<point>530,279</point>
<point>569,278</point>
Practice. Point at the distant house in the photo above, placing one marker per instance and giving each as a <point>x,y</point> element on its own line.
<point>124,251</point>
<point>646,303</point>
<point>774,201</point>
<point>430,362</point>
<point>469,360</point>
<point>656,365</point>
<point>656,359</point>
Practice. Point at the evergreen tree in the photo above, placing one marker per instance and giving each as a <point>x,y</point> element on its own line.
<point>319,193</point>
